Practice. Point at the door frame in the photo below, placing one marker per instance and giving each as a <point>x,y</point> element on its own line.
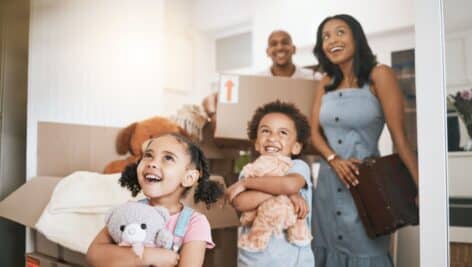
<point>432,143</point>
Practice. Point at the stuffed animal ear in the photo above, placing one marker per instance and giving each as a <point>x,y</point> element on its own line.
<point>123,139</point>
<point>148,129</point>
<point>163,212</point>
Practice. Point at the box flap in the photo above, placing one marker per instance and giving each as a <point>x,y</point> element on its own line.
<point>26,204</point>
<point>64,148</point>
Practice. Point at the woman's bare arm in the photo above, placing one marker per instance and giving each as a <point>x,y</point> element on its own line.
<point>388,92</point>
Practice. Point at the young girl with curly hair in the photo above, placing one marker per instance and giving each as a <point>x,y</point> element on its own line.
<point>170,166</point>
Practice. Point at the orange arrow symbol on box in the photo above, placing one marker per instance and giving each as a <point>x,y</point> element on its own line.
<point>229,88</point>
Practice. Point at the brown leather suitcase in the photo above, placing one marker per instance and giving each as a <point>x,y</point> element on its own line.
<point>385,195</point>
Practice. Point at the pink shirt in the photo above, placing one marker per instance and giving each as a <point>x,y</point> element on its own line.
<point>197,229</point>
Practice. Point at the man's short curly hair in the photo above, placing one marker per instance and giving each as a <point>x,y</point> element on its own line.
<point>301,122</point>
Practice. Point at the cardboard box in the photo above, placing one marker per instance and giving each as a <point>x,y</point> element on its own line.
<point>240,96</point>
<point>40,260</point>
<point>65,148</point>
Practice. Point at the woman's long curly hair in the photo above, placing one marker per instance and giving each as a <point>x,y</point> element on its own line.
<point>207,190</point>
<point>364,60</point>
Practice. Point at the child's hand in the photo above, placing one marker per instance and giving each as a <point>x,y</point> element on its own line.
<point>234,190</point>
<point>163,257</point>
<point>299,203</point>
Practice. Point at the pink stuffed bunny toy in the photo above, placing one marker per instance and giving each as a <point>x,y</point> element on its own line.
<point>273,215</point>
<point>139,225</point>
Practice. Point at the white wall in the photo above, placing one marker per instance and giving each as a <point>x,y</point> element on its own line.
<point>300,18</point>
<point>456,15</point>
<point>186,62</point>
<point>98,62</point>
<point>93,62</point>
<point>390,25</point>
<point>211,15</point>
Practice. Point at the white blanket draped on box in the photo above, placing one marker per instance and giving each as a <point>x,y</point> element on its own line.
<point>76,211</point>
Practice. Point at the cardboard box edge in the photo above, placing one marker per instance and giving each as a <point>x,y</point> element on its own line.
<point>13,206</point>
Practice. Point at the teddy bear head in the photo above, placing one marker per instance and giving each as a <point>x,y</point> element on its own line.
<point>268,165</point>
<point>135,222</point>
<point>132,138</point>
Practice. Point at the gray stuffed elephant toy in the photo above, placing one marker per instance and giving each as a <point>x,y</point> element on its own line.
<point>139,225</point>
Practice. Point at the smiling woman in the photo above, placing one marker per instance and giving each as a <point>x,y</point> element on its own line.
<point>352,104</point>
<point>338,41</point>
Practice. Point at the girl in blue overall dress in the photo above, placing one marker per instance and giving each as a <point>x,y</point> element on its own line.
<point>351,105</point>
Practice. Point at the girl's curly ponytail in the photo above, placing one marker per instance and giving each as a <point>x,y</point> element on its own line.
<point>207,190</point>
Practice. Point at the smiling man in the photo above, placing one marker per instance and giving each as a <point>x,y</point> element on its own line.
<point>280,49</point>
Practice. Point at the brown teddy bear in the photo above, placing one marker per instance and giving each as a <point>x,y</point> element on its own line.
<point>131,139</point>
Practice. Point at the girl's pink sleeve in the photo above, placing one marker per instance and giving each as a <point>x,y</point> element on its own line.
<point>199,229</point>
